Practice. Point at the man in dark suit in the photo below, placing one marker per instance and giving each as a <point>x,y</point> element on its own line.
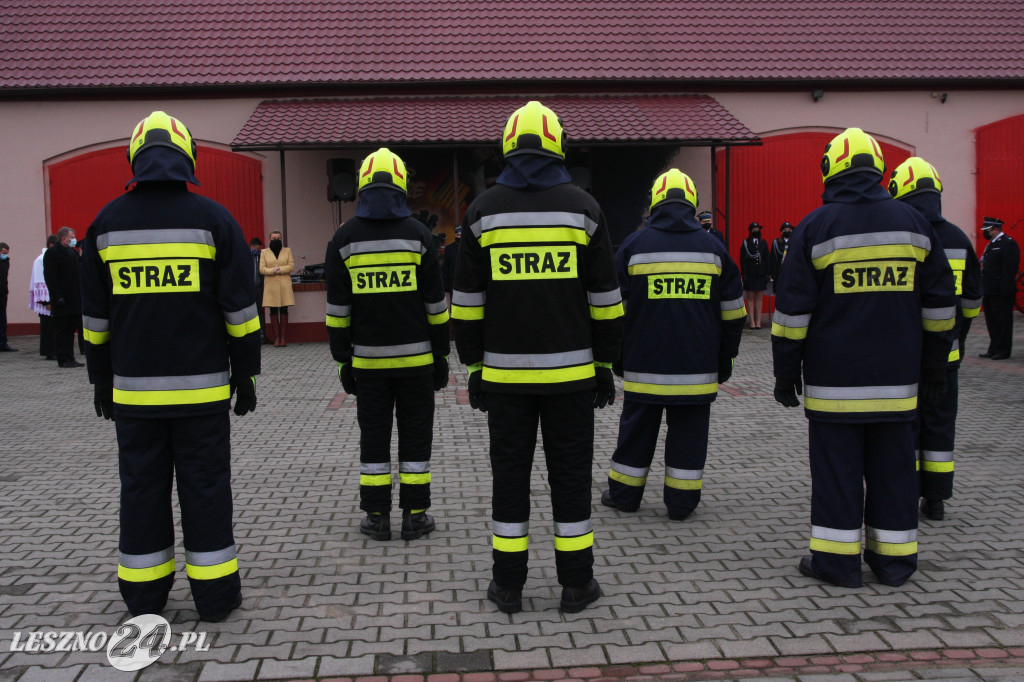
<point>999,265</point>
<point>61,271</point>
<point>5,268</point>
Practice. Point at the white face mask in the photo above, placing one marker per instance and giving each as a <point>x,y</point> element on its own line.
<point>72,242</point>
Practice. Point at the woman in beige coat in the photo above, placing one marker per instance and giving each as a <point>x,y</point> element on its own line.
<point>276,265</point>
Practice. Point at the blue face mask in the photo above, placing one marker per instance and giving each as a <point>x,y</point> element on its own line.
<point>72,242</point>
<point>3,256</point>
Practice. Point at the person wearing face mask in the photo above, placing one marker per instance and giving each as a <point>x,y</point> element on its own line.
<point>999,264</point>
<point>754,267</point>
<point>61,272</point>
<point>276,265</point>
<point>778,251</point>
<point>705,222</point>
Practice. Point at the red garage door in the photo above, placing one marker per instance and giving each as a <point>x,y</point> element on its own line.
<point>777,181</point>
<point>1000,173</point>
<point>79,187</point>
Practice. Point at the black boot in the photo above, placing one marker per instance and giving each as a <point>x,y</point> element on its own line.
<point>416,525</point>
<point>575,599</point>
<point>933,509</point>
<point>508,601</point>
<point>377,526</point>
<point>221,615</point>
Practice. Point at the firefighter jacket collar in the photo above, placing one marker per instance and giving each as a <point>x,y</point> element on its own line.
<point>673,217</point>
<point>162,164</point>
<point>382,203</point>
<point>533,172</point>
<point>854,188</point>
<point>929,204</point>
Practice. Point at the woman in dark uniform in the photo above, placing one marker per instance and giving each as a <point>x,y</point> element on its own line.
<point>754,267</point>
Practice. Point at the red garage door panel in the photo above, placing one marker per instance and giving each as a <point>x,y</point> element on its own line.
<point>81,186</point>
<point>777,181</point>
<point>1000,172</point>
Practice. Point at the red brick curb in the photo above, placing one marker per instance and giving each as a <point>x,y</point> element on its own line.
<point>737,668</point>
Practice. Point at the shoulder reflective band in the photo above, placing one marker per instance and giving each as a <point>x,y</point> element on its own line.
<point>971,307</point>
<point>145,244</point>
<point>574,536</point>
<point>339,316</point>
<point>468,305</point>
<point>873,276</point>
<point>381,246</point>
<point>936,461</point>
<point>675,262</point>
<point>531,220</point>
<point>793,327</point>
<point>510,537</point>
<point>538,368</point>
<point>734,309</point>
<point>211,565</point>
<point>670,384</point>
<point>858,399</point>
<point>173,390</point>
<point>891,542</point>
<point>142,568</point>
<point>437,313</point>
<point>163,276</point>
<point>869,246</point>
<point>242,322</point>
<point>635,477</point>
<point>835,540</point>
<point>392,357</point>
<point>938,319</point>
<point>95,330</point>
<point>684,479</point>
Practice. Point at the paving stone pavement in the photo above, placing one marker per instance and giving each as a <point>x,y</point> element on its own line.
<point>717,591</point>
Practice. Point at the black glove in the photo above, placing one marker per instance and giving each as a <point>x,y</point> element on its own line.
<point>933,384</point>
<point>476,391</point>
<point>103,401</point>
<point>348,379</point>
<point>440,373</point>
<point>786,391</point>
<point>724,369</point>
<point>605,394</point>
<point>246,401</point>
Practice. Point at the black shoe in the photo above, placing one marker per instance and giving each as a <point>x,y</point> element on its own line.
<point>575,599</point>
<point>807,569</point>
<point>933,509</point>
<point>377,526</point>
<point>894,583</point>
<point>508,601</point>
<point>51,357</point>
<point>221,615</point>
<point>71,363</point>
<point>998,356</point>
<point>984,355</point>
<point>7,349</point>
<point>679,517</point>
<point>606,500</point>
<point>416,525</point>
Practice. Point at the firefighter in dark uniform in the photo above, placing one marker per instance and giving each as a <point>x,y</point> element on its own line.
<point>171,330</point>
<point>679,287</point>
<point>537,314</point>
<point>705,222</point>
<point>916,182</point>
<point>388,326</point>
<point>866,309</point>
<point>778,251</point>
<point>999,263</point>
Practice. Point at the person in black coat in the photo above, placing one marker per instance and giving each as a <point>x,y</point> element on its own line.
<point>61,271</point>
<point>5,268</point>
<point>754,266</point>
<point>705,222</point>
<point>999,265</point>
<point>779,248</point>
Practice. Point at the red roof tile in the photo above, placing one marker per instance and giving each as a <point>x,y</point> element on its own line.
<point>181,43</point>
<point>479,119</point>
